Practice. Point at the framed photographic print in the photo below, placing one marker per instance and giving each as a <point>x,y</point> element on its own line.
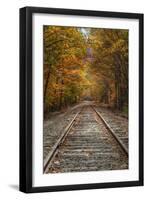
<point>81,99</point>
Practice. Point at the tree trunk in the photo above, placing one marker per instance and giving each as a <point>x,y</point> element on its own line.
<point>61,95</point>
<point>45,87</point>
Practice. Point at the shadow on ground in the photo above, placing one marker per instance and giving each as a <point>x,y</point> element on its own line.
<point>14,187</point>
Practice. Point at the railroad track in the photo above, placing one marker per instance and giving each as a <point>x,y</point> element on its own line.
<point>87,144</point>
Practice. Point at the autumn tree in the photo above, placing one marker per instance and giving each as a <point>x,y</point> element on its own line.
<point>85,62</point>
<point>111,64</point>
<point>64,52</point>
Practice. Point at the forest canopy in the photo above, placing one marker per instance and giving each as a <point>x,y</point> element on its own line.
<point>85,63</point>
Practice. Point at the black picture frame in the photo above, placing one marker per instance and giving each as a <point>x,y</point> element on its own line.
<point>26,90</point>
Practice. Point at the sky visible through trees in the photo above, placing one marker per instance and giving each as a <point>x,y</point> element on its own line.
<point>85,64</point>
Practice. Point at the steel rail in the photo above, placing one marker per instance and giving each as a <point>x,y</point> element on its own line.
<point>53,152</point>
<point>123,147</point>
